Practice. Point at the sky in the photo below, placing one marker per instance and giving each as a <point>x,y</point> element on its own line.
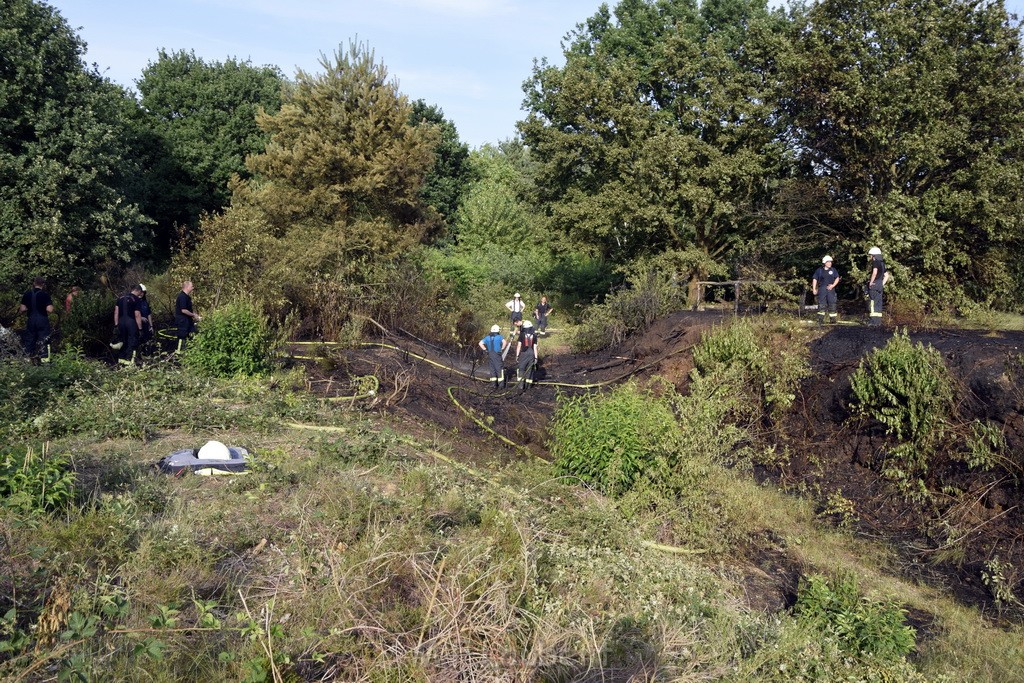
<point>468,57</point>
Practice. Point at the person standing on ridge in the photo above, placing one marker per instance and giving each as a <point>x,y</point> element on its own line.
<point>877,278</point>
<point>494,344</point>
<point>185,316</point>
<point>37,303</point>
<point>823,285</point>
<point>541,313</point>
<point>128,321</point>
<point>516,307</point>
<point>526,353</point>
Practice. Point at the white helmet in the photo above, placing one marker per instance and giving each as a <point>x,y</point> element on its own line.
<point>874,251</point>
<point>826,259</point>
<point>527,323</point>
<point>495,329</point>
<point>214,450</point>
<point>142,287</point>
<point>516,296</point>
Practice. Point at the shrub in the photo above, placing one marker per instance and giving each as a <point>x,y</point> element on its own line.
<point>613,441</point>
<point>36,483</point>
<point>89,323</point>
<point>234,341</point>
<point>860,625</point>
<point>907,388</point>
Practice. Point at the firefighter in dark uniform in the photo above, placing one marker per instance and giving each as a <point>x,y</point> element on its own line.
<point>877,278</point>
<point>38,304</point>
<point>128,320</point>
<point>823,285</point>
<point>541,313</point>
<point>494,344</point>
<point>526,353</point>
<point>146,336</point>
<point>185,316</point>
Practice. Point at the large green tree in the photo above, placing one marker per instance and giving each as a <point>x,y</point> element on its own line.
<point>203,119</point>
<point>908,117</point>
<point>336,193</point>
<point>67,169</point>
<point>658,131</point>
<point>452,172</point>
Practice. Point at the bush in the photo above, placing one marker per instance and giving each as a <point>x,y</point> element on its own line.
<point>907,388</point>
<point>616,440</point>
<point>36,483</point>
<point>234,341</point>
<point>89,323</point>
<point>861,626</point>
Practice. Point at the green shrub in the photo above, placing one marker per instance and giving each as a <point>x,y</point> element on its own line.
<point>36,483</point>
<point>738,355</point>
<point>234,341</point>
<point>860,625</point>
<point>89,324</point>
<point>907,388</point>
<point>613,441</point>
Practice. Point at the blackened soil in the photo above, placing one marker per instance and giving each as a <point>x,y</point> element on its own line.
<point>973,517</point>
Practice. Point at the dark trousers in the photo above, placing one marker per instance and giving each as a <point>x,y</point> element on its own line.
<point>497,366</point>
<point>37,331</point>
<point>185,327</point>
<point>129,332</point>
<point>875,304</point>
<point>827,304</point>
<point>542,323</point>
<point>527,362</point>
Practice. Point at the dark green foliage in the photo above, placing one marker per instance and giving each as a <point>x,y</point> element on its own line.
<point>202,116</point>
<point>31,482</point>
<point>908,119</point>
<point>860,625</point>
<point>448,180</point>
<point>26,390</point>
<point>67,168</point>
<point>89,323</point>
<point>233,341</point>
<point>906,387</point>
<point>613,441</point>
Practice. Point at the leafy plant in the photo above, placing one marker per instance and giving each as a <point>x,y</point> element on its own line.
<point>36,483</point>
<point>906,387</point>
<point>615,440</point>
<point>861,625</point>
<point>234,341</point>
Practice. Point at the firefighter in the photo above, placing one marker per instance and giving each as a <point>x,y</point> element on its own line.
<point>823,285</point>
<point>541,313</point>
<point>526,353</point>
<point>516,307</point>
<point>37,303</point>
<point>494,344</point>
<point>128,321</point>
<point>185,316</point>
<point>877,279</point>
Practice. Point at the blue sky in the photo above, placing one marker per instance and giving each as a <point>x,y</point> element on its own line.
<point>469,57</point>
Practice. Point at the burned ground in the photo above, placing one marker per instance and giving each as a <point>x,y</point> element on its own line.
<point>974,516</point>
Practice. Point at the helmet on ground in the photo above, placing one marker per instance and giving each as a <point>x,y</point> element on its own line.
<point>495,329</point>
<point>527,323</point>
<point>516,296</point>
<point>214,450</point>
<point>874,251</point>
<point>826,259</point>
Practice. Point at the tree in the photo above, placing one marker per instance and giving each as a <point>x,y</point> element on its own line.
<point>658,131</point>
<point>203,116</point>
<point>446,182</point>
<point>336,194</point>
<point>908,117</point>
<point>66,167</point>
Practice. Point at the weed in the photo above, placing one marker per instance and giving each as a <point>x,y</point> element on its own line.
<point>36,483</point>
<point>861,625</point>
<point>235,341</point>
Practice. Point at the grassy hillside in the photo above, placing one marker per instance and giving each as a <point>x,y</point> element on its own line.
<point>362,546</point>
